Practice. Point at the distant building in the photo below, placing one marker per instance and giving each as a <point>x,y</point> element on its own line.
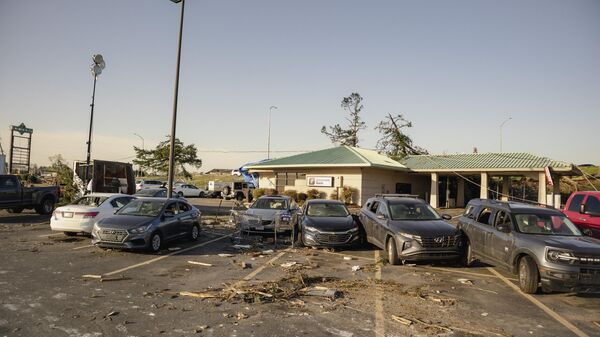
<point>222,172</point>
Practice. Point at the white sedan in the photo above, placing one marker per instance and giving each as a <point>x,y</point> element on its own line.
<point>80,216</point>
<point>187,190</point>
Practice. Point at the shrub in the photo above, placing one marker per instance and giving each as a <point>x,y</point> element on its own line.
<point>271,191</point>
<point>302,197</point>
<point>334,195</point>
<point>258,192</point>
<point>313,194</point>
<point>292,194</point>
<point>347,193</point>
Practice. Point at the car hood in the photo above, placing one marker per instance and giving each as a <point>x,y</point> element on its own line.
<point>577,244</point>
<point>124,221</point>
<point>423,228</point>
<point>330,224</point>
<point>264,214</point>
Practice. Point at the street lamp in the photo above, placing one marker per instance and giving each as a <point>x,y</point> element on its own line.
<point>501,125</point>
<point>143,147</point>
<point>269,137</point>
<point>174,121</point>
<point>96,69</point>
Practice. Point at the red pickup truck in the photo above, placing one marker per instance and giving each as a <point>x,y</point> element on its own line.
<point>583,209</point>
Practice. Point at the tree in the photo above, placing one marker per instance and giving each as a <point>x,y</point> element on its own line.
<point>158,158</point>
<point>394,142</point>
<point>64,178</point>
<point>349,136</point>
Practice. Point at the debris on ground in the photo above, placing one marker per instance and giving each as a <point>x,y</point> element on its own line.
<point>322,292</point>
<point>268,251</point>
<point>241,246</point>
<point>174,248</point>
<point>245,265</point>
<point>110,314</point>
<point>348,258</point>
<point>289,264</point>
<point>484,314</point>
<point>200,263</point>
<point>356,268</point>
<point>465,281</point>
<point>401,320</point>
<point>240,316</point>
<point>103,278</point>
<point>226,255</point>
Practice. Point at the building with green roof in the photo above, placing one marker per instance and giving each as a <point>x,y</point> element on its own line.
<point>368,173</point>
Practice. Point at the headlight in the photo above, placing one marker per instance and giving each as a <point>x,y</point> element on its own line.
<point>560,256</point>
<point>139,230</point>
<point>411,236</point>
<point>310,229</point>
<point>353,230</point>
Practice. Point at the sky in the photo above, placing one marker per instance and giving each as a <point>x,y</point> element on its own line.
<point>456,69</point>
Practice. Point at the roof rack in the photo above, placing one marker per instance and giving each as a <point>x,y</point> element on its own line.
<point>395,195</point>
<point>512,202</point>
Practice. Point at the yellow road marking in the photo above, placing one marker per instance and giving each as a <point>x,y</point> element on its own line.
<point>82,247</point>
<point>261,268</point>
<point>460,272</point>
<point>379,318</point>
<point>542,306</point>
<point>166,256</point>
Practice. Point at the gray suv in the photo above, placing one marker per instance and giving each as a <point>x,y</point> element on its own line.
<point>539,244</point>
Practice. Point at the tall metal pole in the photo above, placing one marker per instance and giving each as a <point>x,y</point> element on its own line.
<point>143,148</point>
<point>174,122</point>
<point>269,133</point>
<point>89,142</point>
<point>501,125</point>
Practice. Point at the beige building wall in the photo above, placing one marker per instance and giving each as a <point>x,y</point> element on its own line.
<point>376,181</point>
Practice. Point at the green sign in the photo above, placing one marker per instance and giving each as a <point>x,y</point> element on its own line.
<point>21,128</point>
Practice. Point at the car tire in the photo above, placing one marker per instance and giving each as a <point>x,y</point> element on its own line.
<point>15,210</point>
<point>297,237</point>
<point>392,252</point>
<point>529,276</point>
<point>226,191</point>
<point>70,233</point>
<point>194,232</point>
<point>155,242</point>
<point>180,194</point>
<point>201,195</point>
<point>46,206</point>
<point>466,256</point>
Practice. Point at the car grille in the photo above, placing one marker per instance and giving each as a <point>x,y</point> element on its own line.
<point>592,260</point>
<point>332,238</point>
<point>267,222</point>
<point>590,276</point>
<point>112,235</point>
<point>440,241</point>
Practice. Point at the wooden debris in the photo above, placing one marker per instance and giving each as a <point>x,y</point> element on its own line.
<point>401,320</point>
<point>199,295</point>
<point>322,292</point>
<point>226,255</point>
<point>116,278</point>
<point>91,276</point>
<point>200,263</point>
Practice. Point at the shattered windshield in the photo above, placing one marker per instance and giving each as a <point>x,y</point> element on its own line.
<point>546,224</point>
<point>413,212</point>
<point>90,200</point>
<point>327,210</point>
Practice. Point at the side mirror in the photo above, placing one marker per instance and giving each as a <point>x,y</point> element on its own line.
<point>381,216</point>
<point>446,216</point>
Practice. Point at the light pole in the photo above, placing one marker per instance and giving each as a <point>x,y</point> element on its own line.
<point>501,125</point>
<point>96,69</point>
<point>174,121</point>
<point>143,148</point>
<point>269,136</point>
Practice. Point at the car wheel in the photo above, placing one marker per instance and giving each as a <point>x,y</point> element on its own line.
<point>528,275</point>
<point>15,210</point>
<point>194,232</point>
<point>297,237</point>
<point>201,195</point>
<point>46,207</point>
<point>466,257</point>
<point>70,233</point>
<point>180,194</point>
<point>392,253</point>
<point>155,242</point>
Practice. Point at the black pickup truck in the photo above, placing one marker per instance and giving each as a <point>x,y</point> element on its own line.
<point>15,197</point>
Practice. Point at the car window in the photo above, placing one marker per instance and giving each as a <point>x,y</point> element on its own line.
<point>382,209</point>
<point>183,207</point>
<point>502,218</point>
<point>546,224</point>
<point>576,202</point>
<point>8,182</point>
<point>374,206</point>
<point>120,202</point>
<point>142,208</point>
<point>592,204</point>
<point>270,203</point>
<point>413,212</point>
<point>484,216</point>
<point>171,208</point>
<point>161,194</point>
<point>327,210</point>
<point>469,210</point>
<point>93,201</point>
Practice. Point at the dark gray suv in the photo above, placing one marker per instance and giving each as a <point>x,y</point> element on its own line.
<point>540,244</point>
<point>409,229</point>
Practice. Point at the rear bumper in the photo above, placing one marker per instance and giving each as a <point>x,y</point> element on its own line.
<point>81,226</point>
<point>581,280</point>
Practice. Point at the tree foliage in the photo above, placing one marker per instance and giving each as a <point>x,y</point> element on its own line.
<point>349,135</point>
<point>395,143</point>
<point>158,159</point>
<point>64,177</point>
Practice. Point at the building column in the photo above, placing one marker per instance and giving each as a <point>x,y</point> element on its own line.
<point>483,193</point>
<point>556,191</point>
<point>460,192</point>
<point>505,188</point>
<point>434,198</point>
<point>542,188</point>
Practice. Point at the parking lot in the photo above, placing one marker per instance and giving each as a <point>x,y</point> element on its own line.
<point>54,285</point>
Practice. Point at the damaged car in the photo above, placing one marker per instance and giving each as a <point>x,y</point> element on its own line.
<point>326,223</point>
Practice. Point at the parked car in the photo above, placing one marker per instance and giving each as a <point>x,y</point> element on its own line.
<point>583,209</point>
<point>80,215</point>
<point>142,184</point>
<point>238,190</point>
<point>540,245</point>
<point>267,211</point>
<point>409,229</point>
<point>15,197</point>
<point>152,193</point>
<point>327,223</point>
<point>147,223</point>
<point>187,190</point>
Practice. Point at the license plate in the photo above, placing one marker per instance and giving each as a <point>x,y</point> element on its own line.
<point>111,237</point>
<point>259,228</point>
<point>67,214</point>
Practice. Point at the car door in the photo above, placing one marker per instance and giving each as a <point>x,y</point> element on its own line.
<point>479,228</point>
<point>169,224</point>
<point>10,191</point>
<point>369,221</point>
<point>572,210</point>
<point>591,205</point>
<point>501,239</point>
<point>382,221</point>
<point>186,218</point>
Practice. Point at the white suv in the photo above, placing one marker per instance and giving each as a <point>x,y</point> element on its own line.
<point>143,184</point>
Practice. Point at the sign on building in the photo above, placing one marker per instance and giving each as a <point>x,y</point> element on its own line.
<point>20,149</point>
<point>319,181</point>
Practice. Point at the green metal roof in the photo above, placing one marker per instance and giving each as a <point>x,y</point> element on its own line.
<point>484,161</point>
<point>343,156</point>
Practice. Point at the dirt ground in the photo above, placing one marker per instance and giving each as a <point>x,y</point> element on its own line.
<point>260,291</point>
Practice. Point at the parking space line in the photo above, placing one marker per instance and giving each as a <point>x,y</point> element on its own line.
<point>379,317</point>
<point>166,256</point>
<point>82,247</point>
<point>342,254</point>
<point>261,268</point>
<point>459,271</point>
<point>540,305</point>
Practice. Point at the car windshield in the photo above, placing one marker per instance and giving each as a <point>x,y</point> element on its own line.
<point>151,193</point>
<point>327,210</point>
<point>90,200</point>
<point>143,208</point>
<point>413,212</point>
<point>269,203</point>
<point>546,224</point>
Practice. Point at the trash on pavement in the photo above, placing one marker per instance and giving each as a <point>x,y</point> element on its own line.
<point>401,320</point>
<point>355,268</point>
<point>200,263</point>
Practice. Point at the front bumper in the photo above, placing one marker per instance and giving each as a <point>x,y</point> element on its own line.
<point>103,238</point>
<point>329,239</point>
<point>413,250</point>
<point>572,279</point>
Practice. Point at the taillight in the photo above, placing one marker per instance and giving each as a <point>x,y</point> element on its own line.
<point>88,215</point>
